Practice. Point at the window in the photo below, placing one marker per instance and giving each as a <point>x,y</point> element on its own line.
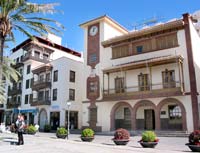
<point>93,87</point>
<point>15,99</point>
<point>27,84</point>
<point>21,71</point>
<point>28,70</point>
<point>37,54</point>
<point>31,82</point>
<point>26,99</point>
<point>48,77</point>
<point>54,94</point>
<point>17,61</point>
<point>41,78</point>
<point>168,77</point>
<point>174,112</point>
<point>47,95</point>
<point>120,51</point>
<point>30,98</point>
<point>45,56</point>
<point>21,58</point>
<point>143,81</point>
<point>40,95</point>
<point>93,58</point>
<point>72,76</point>
<point>139,49</point>
<point>18,99</point>
<point>71,94</point>
<point>19,85</point>
<point>119,85</point>
<point>55,76</point>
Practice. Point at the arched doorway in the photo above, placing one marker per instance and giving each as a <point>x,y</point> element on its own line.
<point>144,115</point>
<point>42,118</point>
<point>121,116</point>
<point>172,114</point>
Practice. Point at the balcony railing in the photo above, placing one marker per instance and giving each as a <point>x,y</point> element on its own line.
<point>17,65</point>
<point>41,101</point>
<point>147,91</point>
<point>41,84</point>
<point>13,104</point>
<point>29,56</point>
<point>14,91</point>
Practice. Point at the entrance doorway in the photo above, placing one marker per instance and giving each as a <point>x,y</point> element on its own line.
<point>149,119</point>
<point>73,119</point>
<point>55,120</point>
<point>123,118</point>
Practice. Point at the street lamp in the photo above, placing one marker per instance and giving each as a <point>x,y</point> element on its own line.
<point>68,109</point>
<point>19,110</point>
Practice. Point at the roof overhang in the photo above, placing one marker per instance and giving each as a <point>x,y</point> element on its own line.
<point>144,63</point>
<point>177,24</point>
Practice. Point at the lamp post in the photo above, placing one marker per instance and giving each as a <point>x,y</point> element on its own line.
<point>68,109</point>
<point>19,110</point>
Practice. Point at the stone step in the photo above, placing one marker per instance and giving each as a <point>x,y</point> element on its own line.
<point>158,133</point>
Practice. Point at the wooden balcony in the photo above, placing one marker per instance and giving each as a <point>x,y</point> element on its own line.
<point>13,104</point>
<point>141,92</point>
<point>29,56</point>
<point>14,91</point>
<point>17,65</point>
<point>41,101</point>
<point>41,84</point>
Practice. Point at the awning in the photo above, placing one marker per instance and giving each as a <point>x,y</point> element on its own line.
<point>15,110</point>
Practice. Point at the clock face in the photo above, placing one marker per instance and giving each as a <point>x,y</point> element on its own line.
<point>93,30</point>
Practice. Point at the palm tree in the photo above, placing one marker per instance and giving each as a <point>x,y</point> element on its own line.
<point>23,16</point>
<point>9,73</point>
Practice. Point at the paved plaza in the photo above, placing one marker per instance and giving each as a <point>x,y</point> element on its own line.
<point>48,143</point>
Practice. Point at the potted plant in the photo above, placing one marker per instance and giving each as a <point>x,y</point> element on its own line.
<point>87,135</point>
<point>61,133</point>
<point>149,139</point>
<point>31,129</point>
<point>121,137</point>
<point>47,128</point>
<point>194,141</point>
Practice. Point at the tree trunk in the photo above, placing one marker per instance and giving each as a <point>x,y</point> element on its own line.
<point>2,41</point>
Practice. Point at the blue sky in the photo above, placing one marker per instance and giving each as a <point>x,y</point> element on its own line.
<point>126,12</point>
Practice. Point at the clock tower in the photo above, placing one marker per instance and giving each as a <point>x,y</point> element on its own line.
<point>94,34</point>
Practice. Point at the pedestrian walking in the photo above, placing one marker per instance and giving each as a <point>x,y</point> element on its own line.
<point>20,129</point>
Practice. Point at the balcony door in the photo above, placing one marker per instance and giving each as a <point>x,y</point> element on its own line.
<point>143,81</point>
<point>168,77</point>
<point>119,85</point>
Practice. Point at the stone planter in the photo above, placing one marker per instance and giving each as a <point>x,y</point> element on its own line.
<point>194,148</point>
<point>61,136</point>
<point>148,144</point>
<point>87,139</point>
<point>120,142</point>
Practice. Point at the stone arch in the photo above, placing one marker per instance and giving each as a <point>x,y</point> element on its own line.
<point>176,101</point>
<point>42,112</point>
<point>143,103</point>
<point>112,114</point>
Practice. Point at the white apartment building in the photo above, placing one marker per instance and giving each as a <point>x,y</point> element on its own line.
<point>141,80</point>
<point>50,77</point>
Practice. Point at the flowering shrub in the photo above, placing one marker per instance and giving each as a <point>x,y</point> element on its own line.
<point>194,138</point>
<point>121,134</point>
<point>149,136</point>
